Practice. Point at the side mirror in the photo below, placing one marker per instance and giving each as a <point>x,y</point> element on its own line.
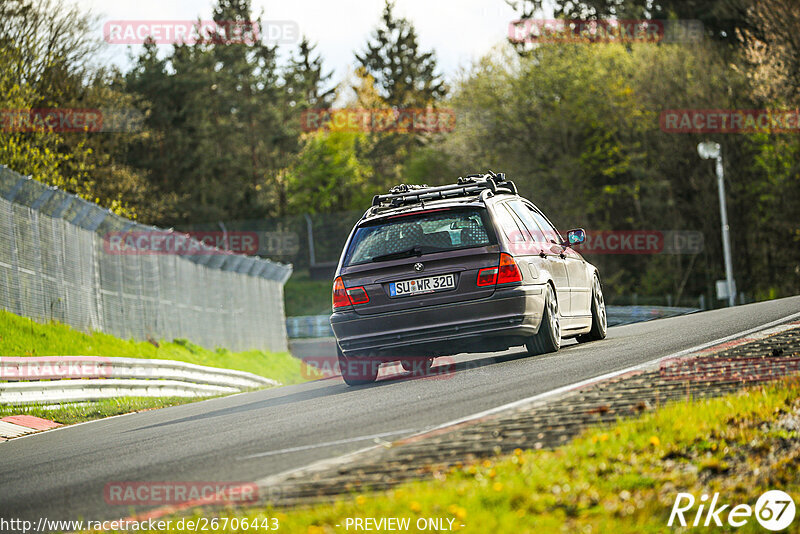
<point>576,237</point>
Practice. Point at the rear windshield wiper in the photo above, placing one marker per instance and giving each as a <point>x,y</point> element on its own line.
<point>413,251</point>
<point>416,250</point>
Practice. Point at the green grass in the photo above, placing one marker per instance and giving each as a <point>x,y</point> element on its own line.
<point>303,296</point>
<point>68,414</point>
<point>20,336</point>
<point>618,478</point>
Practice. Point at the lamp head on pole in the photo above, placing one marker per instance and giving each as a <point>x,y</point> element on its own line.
<point>708,150</point>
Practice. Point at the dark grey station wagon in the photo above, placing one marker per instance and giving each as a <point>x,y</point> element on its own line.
<point>468,267</point>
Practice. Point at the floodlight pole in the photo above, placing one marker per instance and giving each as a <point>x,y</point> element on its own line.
<point>726,238</point>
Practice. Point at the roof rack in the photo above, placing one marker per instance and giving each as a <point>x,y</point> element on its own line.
<point>465,186</point>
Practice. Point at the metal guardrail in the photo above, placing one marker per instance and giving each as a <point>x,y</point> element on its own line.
<point>62,379</point>
<point>308,326</point>
<point>619,315</point>
<point>66,391</point>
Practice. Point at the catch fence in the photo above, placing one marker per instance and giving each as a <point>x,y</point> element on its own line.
<point>55,264</point>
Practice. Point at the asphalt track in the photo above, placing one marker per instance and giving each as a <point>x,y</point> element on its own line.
<point>61,474</point>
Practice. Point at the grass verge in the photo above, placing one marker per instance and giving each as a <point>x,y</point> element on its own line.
<point>68,414</point>
<point>619,478</point>
<point>20,336</point>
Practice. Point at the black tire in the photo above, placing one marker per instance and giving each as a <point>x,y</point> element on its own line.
<point>599,317</point>
<point>548,339</point>
<point>357,371</point>
<point>417,365</point>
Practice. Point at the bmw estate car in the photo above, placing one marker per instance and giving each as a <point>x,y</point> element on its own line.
<point>468,267</point>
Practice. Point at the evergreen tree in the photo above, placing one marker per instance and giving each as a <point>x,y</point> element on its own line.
<point>305,81</point>
<point>407,76</point>
<point>221,121</point>
<point>393,72</point>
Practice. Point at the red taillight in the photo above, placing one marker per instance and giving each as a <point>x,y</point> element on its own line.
<point>507,272</point>
<point>346,296</point>
<point>487,276</point>
<point>340,298</point>
<point>358,295</point>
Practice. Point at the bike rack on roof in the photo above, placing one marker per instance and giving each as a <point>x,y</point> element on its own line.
<point>471,184</point>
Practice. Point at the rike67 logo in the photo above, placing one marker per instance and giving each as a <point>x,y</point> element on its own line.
<point>774,511</point>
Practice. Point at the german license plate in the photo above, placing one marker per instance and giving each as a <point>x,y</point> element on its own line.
<point>428,284</point>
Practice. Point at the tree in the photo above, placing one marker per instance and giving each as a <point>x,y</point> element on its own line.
<point>304,79</point>
<point>328,175</point>
<point>773,51</point>
<point>35,154</point>
<point>722,19</point>
<point>577,128</point>
<point>46,53</point>
<point>393,73</point>
<point>47,44</point>
<point>407,76</point>
<point>221,122</point>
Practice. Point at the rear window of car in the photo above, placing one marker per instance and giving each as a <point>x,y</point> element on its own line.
<point>411,235</point>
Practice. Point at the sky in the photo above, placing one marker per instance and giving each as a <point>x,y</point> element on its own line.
<point>459,31</point>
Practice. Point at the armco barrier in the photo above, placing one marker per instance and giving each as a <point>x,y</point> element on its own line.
<point>309,326</point>
<point>65,391</point>
<point>30,379</point>
<point>619,315</point>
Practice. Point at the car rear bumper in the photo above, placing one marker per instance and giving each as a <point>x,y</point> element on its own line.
<point>486,323</point>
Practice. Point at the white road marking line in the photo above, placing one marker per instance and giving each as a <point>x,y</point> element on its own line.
<point>327,444</point>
